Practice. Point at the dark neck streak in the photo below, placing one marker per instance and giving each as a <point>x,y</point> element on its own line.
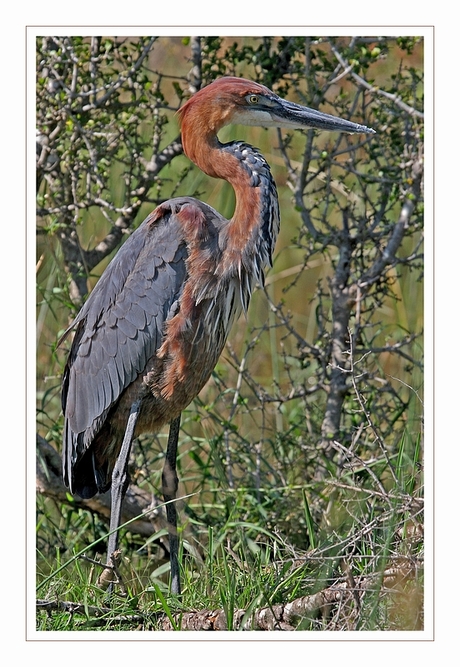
<point>249,237</point>
<point>254,226</point>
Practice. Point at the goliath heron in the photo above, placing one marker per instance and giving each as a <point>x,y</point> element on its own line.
<point>151,332</point>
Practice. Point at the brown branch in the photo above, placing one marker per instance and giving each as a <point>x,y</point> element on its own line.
<point>287,616</point>
<point>122,78</point>
<point>348,69</point>
<point>388,256</point>
<point>80,261</point>
<point>346,295</point>
<point>343,298</point>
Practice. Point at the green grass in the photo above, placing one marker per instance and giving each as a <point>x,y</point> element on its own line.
<point>249,549</point>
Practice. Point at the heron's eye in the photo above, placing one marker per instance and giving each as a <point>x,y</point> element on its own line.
<point>252,99</point>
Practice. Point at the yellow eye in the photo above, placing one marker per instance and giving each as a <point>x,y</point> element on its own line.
<point>252,99</point>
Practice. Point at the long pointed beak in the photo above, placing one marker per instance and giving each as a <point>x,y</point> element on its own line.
<point>290,115</point>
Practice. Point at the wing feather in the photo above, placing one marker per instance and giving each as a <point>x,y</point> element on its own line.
<point>121,324</point>
<point>119,329</point>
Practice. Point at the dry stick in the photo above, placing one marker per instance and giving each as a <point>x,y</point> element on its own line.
<point>287,616</point>
<point>373,89</point>
<point>369,421</point>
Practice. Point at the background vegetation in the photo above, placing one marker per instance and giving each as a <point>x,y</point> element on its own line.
<point>302,459</point>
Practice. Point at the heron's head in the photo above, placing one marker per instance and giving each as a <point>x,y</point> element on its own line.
<point>233,100</point>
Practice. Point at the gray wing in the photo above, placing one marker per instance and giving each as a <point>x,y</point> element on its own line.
<point>120,327</point>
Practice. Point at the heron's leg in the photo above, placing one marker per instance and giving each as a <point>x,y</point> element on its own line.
<point>120,480</point>
<point>170,483</point>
